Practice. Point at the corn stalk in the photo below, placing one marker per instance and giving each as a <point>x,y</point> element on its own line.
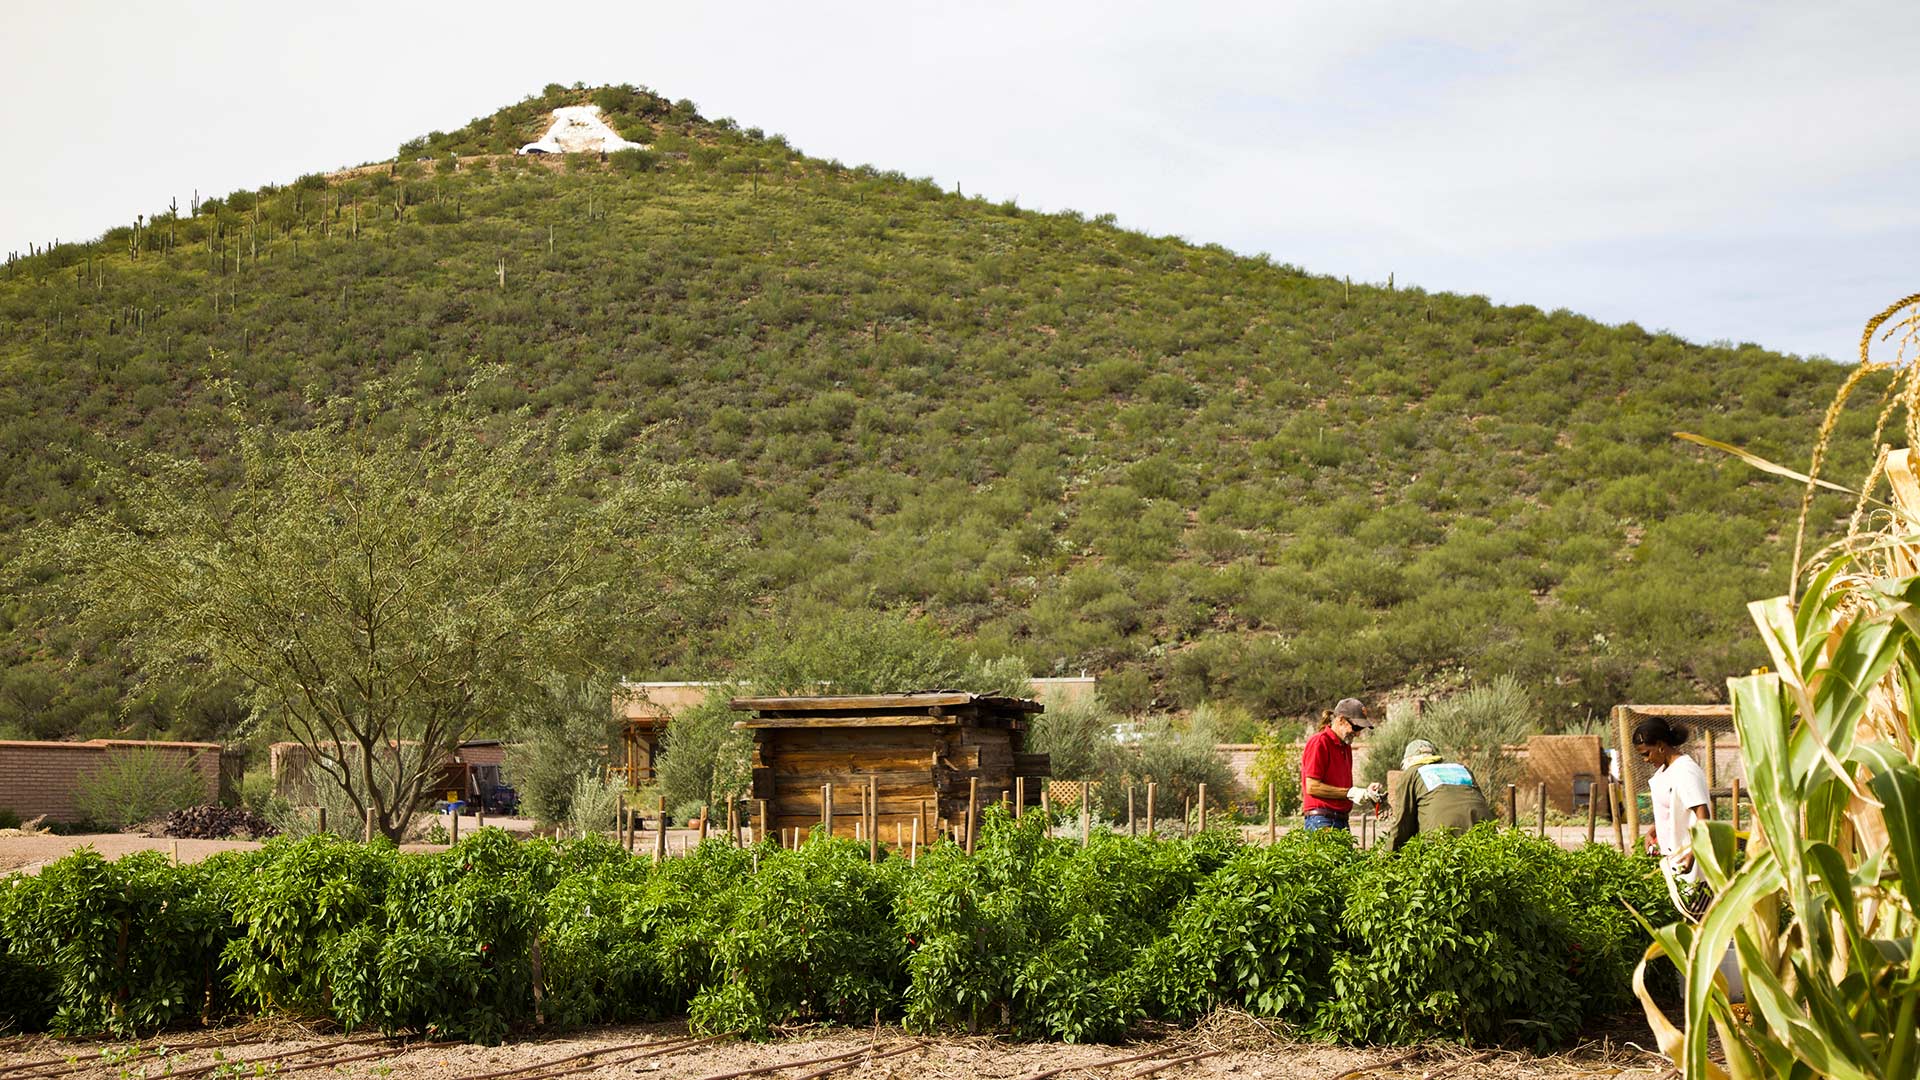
<point>1819,908</point>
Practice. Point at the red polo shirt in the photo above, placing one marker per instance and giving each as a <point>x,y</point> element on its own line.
<point>1329,760</point>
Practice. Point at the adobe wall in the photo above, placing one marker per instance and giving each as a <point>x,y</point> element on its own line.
<point>39,778</point>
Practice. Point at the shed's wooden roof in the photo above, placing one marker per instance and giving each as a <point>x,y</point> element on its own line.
<point>932,708</point>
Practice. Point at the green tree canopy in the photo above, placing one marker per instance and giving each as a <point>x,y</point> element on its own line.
<point>389,577</point>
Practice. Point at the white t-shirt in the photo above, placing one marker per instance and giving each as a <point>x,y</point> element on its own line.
<point>1678,787</point>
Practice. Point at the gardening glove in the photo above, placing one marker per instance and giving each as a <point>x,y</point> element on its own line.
<point>1362,797</point>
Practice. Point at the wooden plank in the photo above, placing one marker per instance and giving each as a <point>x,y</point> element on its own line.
<point>856,701</point>
<point>842,761</point>
<point>1032,764</point>
<point>760,723</point>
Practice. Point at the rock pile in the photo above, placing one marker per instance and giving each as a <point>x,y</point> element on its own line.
<point>216,823</point>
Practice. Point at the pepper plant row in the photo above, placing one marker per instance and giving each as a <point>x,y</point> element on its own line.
<point>1485,937</point>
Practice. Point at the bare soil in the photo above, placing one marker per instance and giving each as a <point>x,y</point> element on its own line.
<point>1228,1045</point>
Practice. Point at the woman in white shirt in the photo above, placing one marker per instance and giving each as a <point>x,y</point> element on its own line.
<point>1679,792</point>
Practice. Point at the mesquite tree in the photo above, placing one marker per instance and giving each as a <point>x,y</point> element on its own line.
<point>389,577</point>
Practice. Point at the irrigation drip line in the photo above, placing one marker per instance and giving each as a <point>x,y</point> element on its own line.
<point>1048,1074</point>
<point>1362,1070</point>
<point>791,1064</point>
<point>909,1048</point>
<point>1151,1069</point>
<point>387,1051</point>
<point>74,1065</point>
<point>650,1044</point>
<point>201,1070</point>
<point>679,1047</point>
<point>95,1060</point>
<point>1458,1065</point>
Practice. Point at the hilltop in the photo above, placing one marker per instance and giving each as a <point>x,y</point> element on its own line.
<point>1204,476</point>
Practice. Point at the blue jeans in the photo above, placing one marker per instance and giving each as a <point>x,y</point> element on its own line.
<point>1325,819</point>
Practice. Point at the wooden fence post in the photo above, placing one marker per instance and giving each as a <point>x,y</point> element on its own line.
<point>826,807</point>
<point>1131,825</point>
<point>320,819</point>
<point>763,819</point>
<point>1735,782</point>
<point>1543,810</point>
<point>705,813</point>
<point>1613,805</point>
<point>1019,797</point>
<point>1153,789</point>
<point>1086,813</point>
<point>453,834</point>
<point>366,836</point>
<point>620,820</point>
<point>1513,806</point>
<point>873,819</point>
<point>1186,818</point>
<point>1593,813</point>
<point>1273,804</point>
<point>660,837</point>
<point>1203,808</point>
<point>913,852</point>
<point>973,807</point>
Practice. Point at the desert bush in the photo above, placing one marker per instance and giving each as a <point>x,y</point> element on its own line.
<point>594,805</point>
<point>1277,764</point>
<point>559,739</point>
<point>1178,759</point>
<point>1077,735</point>
<point>138,785</point>
<point>703,759</point>
<point>1470,727</point>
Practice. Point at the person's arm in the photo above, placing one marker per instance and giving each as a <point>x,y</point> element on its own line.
<point>1690,791</point>
<point>1324,790</point>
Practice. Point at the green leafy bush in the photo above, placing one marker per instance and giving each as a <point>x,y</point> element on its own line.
<point>136,785</point>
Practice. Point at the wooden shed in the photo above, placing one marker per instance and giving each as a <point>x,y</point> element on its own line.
<point>922,752</point>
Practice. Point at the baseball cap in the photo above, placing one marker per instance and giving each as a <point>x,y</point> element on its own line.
<point>1352,711</point>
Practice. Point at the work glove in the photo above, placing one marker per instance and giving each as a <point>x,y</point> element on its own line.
<point>1362,797</point>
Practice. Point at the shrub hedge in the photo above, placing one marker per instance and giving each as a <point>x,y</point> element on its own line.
<point>1489,937</point>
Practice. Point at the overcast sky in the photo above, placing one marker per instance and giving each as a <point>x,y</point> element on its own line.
<point>1738,171</point>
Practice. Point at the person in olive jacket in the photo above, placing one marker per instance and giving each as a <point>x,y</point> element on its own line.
<point>1433,793</point>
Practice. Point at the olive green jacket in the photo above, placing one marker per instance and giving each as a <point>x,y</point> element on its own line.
<point>1435,794</point>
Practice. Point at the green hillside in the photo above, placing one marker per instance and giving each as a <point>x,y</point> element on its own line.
<point>1202,476</point>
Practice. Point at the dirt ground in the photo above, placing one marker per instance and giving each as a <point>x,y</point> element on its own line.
<point>1228,1045</point>
<point>26,854</point>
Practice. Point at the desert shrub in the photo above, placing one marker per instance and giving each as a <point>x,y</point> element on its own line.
<point>703,759</point>
<point>594,805</point>
<point>1469,727</point>
<point>560,739</point>
<point>1278,764</point>
<point>138,785</point>
<point>1178,759</point>
<point>1076,734</point>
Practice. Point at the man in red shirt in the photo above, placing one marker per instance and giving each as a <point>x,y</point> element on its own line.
<point>1326,769</point>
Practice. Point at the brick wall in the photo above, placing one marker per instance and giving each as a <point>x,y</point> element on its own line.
<point>43,777</point>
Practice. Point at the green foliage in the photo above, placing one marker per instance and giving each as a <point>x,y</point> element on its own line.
<point>1488,937</point>
<point>1077,735</point>
<point>1277,764</point>
<point>1259,933</point>
<point>594,804</point>
<point>867,652</point>
<point>1177,758</point>
<point>1479,937</point>
<point>387,574</point>
<point>138,784</point>
<point>117,947</point>
<point>811,938</point>
<point>704,760</point>
<point>560,738</point>
<point>1469,727</point>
